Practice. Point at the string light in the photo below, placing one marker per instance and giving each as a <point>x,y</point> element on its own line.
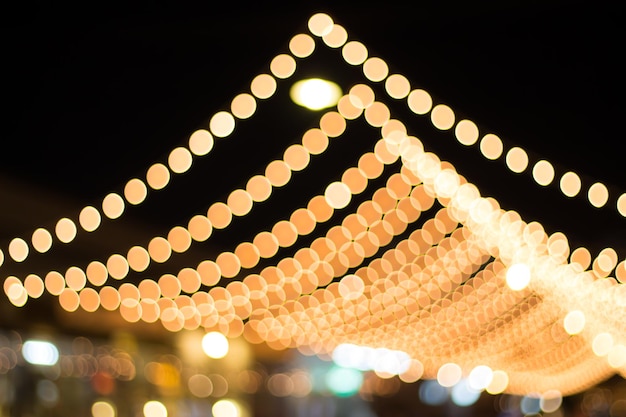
<point>475,278</point>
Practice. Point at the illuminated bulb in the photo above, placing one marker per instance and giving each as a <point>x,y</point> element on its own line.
<point>551,401</point>
<point>18,249</point>
<point>222,124</point>
<point>38,352</point>
<point>102,409</point>
<point>215,345</point>
<point>574,322</point>
<point>602,344</point>
<point>337,195</point>
<point>517,160</point>
<point>442,117</point>
<point>154,409</point>
<point>41,240</point>
<point>518,277</point>
<point>499,382</point>
<point>480,377</point>
<point>449,375</point>
<point>226,408</point>
<point>315,93</point>
<point>65,230</point>
<point>543,173</point>
<point>598,194</point>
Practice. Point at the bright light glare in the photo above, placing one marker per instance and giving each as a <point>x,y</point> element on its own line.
<point>518,277</point>
<point>154,409</point>
<point>365,358</point>
<point>40,353</point>
<point>225,408</point>
<point>215,345</point>
<point>315,93</point>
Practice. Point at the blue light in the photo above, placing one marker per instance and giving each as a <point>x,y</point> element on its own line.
<point>431,393</point>
<point>463,395</point>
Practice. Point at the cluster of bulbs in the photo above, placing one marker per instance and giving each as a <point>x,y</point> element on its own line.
<point>474,289</point>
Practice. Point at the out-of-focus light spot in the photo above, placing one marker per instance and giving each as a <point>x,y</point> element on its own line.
<point>89,218</point>
<point>201,141</point>
<point>550,401</point>
<point>518,277</point>
<point>617,356</point>
<point>431,393</point>
<point>34,286</point>
<point>226,408</point>
<point>570,184</point>
<point>315,93</point>
<point>337,37</point>
<point>598,194</point>
<point>18,249</point>
<point>491,146</point>
<point>351,287</point>
<point>466,132</point>
<point>283,66</point>
<point>154,409</point>
<point>354,53</point>
<point>113,206</point>
<point>463,395</point>
<point>499,382</point>
<point>41,240</point>
<point>103,409</point>
<point>117,266</point>
<point>543,173</point>
<point>343,382</point>
<point>135,191</point>
<point>530,405</point>
<point>263,86</point>
<point>375,69</point>
<point>449,375</point>
<point>243,106</point>
<point>420,102</point>
<point>480,377</point>
<point>337,195</point>
<point>602,344</point>
<point>574,322</point>
<point>200,385</point>
<point>302,45</point>
<point>621,205</point>
<point>180,160</point>
<point>280,385</point>
<point>222,124</point>
<point>39,352</point>
<point>215,345</point>
<point>48,392</point>
<point>517,160</point>
<point>442,117</point>
<point>397,86</point>
<point>65,230</point>
<point>158,176</point>
<point>320,24</point>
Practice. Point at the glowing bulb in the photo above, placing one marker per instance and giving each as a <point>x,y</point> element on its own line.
<point>518,277</point>
<point>315,93</point>
<point>574,322</point>
<point>215,345</point>
<point>154,409</point>
<point>40,353</point>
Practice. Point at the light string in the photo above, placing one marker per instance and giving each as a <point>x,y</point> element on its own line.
<point>412,298</point>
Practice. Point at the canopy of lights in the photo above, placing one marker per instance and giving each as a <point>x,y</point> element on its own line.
<point>424,278</point>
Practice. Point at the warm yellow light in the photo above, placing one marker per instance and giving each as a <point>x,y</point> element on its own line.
<point>154,409</point>
<point>574,322</point>
<point>315,93</point>
<point>226,408</point>
<point>102,409</point>
<point>215,345</point>
<point>449,375</point>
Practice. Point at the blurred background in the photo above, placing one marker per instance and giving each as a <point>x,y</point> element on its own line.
<point>94,95</point>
